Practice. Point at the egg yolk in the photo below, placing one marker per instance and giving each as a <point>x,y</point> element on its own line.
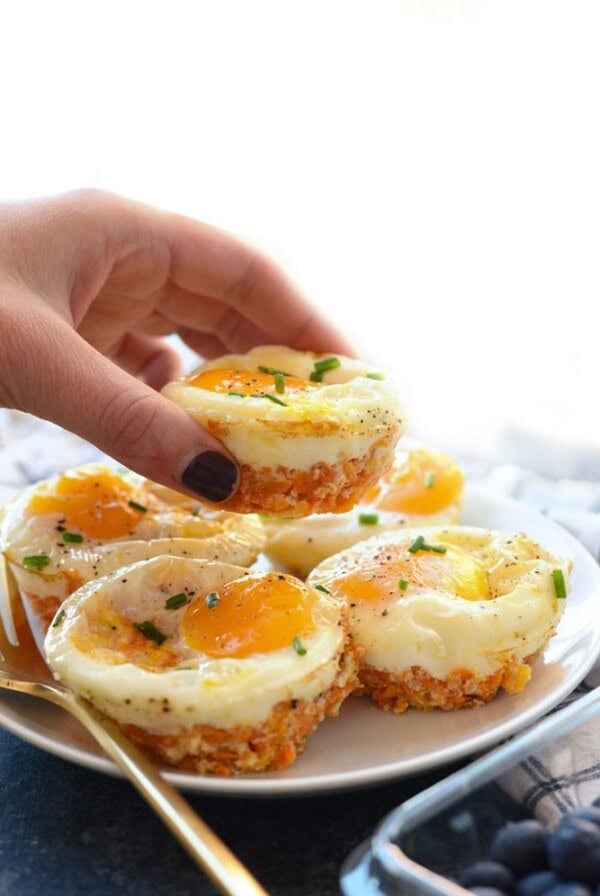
<point>95,505</point>
<point>388,576</point>
<point>256,614</point>
<point>424,483</point>
<point>248,382</point>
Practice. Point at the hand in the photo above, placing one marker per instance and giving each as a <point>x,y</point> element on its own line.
<point>89,285</point>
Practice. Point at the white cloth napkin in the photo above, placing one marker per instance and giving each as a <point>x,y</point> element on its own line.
<point>549,784</point>
<point>566,775</point>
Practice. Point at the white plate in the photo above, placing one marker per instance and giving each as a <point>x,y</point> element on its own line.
<point>365,745</point>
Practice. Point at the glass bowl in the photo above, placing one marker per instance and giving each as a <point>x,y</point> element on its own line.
<point>426,842</point>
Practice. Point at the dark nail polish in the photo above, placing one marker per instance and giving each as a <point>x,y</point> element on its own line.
<point>211,475</point>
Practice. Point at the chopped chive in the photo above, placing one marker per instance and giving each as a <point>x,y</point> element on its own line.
<point>323,589</point>
<point>178,600</point>
<point>37,561</point>
<point>402,584</point>
<point>375,376</point>
<point>237,394</point>
<point>316,376</point>
<point>419,544</point>
<point>122,471</point>
<point>73,537</point>
<point>137,506</point>
<point>429,480</point>
<point>274,399</point>
<point>327,364</point>
<point>560,588</point>
<point>211,600</point>
<point>416,545</point>
<point>272,371</point>
<point>299,646</point>
<point>59,618</point>
<point>149,630</point>
<point>197,510</point>
<point>279,383</point>
<point>368,519</point>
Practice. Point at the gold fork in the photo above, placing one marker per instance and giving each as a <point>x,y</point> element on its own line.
<point>23,669</point>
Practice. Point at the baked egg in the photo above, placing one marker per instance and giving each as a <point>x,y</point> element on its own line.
<point>211,667</point>
<point>423,487</point>
<point>446,615</point>
<point>311,433</point>
<point>88,521</point>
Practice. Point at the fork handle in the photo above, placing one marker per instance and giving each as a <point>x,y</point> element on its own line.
<point>208,851</point>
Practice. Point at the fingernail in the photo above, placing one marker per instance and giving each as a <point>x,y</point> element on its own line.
<point>211,475</point>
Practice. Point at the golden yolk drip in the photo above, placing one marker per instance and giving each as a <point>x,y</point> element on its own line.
<point>249,382</point>
<point>95,505</point>
<point>425,483</point>
<point>456,572</point>
<point>256,614</point>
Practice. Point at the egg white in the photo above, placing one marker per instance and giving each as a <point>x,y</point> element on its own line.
<point>202,690</point>
<point>438,631</point>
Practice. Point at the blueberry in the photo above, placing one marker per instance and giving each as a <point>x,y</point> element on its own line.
<point>487,891</point>
<point>574,851</point>
<point>522,846</point>
<point>588,813</point>
<point>488,874</point>
<point>536,884</point>
<point>569,889</point>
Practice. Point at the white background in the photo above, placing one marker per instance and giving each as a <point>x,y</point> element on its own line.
<point>428,172</point>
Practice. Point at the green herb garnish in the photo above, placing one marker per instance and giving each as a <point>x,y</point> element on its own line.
<point>375,376</point>
<point>197,510</point>
<point>272,371</point>
<point>274,399</point>
<point>299,646</point>
<point>59,618</point>
<point>368,519</point>
<point>37,561</point>
<point>419,544</point>
<point>279,383</point>
<point>137,506</point>
<point>323,589</point>
<point>316,376</point>
<point>237,394</point>
<point>402,584</point>
<point>73,537</point>
<point>560,587</point>
<point>429,480</point>
<point>149,630</point>
<point>211,600</point>
<point>178,600</point>
<point>327,364</point>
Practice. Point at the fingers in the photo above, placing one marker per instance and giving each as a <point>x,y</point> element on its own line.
<point>63,379</point>
<point>215,265</point>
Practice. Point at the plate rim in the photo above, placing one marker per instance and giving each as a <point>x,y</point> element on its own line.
<point>311,784</point>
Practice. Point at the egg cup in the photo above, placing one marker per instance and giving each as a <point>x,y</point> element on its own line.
<point>446,616</point>
<point>84,523</point>
<point>422,488</point>
<point>209,667</point>
<point>310,433</point>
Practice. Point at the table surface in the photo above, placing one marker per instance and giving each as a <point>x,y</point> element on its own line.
<point>65,829</point>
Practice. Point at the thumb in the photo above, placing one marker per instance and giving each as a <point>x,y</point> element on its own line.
<point>64,379</point>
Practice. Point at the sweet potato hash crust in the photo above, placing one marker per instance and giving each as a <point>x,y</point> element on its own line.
<point>273,745</point>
